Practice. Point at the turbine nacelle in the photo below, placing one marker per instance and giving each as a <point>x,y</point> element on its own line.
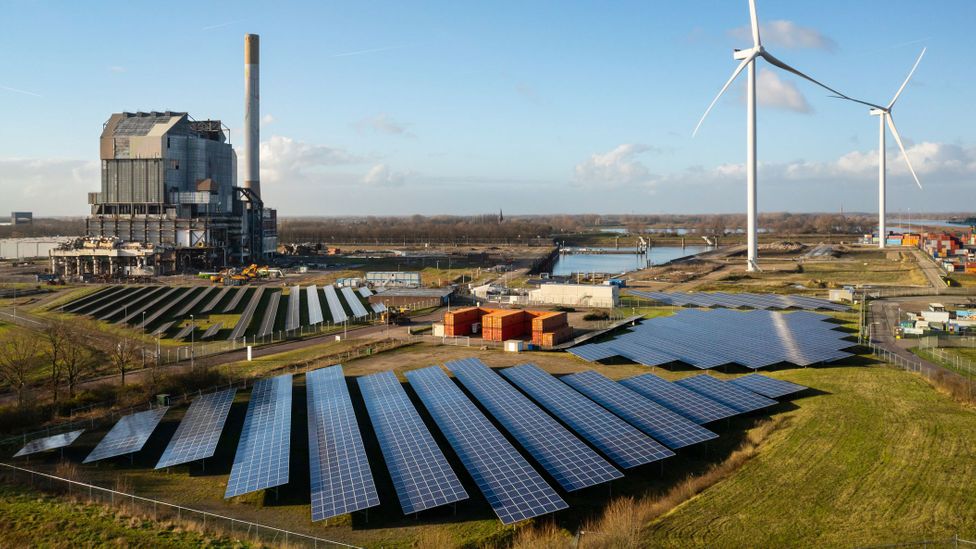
<point>877,112</point>
<point>739,55</point>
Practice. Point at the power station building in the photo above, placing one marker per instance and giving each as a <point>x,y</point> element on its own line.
<point>169,197</point>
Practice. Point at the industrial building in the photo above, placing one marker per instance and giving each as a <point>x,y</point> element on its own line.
<point>169,195</point>
<point>576,295</point>
<point>407,279</point>
<point>21,218</point>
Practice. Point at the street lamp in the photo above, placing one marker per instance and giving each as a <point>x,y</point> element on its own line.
<point>192,329</point>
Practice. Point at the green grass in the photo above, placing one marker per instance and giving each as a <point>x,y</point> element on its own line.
<point>33,520</point>
<point>948,363</point>
<point>880,457</point>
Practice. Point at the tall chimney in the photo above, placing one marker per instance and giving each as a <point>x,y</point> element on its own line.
<point>252,116</point>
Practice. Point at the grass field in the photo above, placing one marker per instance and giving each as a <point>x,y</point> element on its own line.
<point>959,360</point>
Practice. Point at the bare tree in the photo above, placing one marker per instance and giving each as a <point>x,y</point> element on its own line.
<point>122,355</point>
<point>18,355</point>
<point>78,359</point>
<point>55,335</point>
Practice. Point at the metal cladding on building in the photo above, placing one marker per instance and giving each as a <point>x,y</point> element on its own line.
<point>252,114</point>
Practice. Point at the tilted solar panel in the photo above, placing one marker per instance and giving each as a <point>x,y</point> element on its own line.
<point>573,464</point>
<point>52,442</point>
<point>352,299</point>
<point>767,386</point>
<point>128,435</point>
<point>294,316</point>
<point>512,487</point>
<point>673,430</point>
<point>421,474</point>
<point>198,433</point>
<point>314,305</point>
<point>686,402</point>
<point>335,306</point>
<point>726,393</point>
<point>341,481</point>
<point>264,448</point>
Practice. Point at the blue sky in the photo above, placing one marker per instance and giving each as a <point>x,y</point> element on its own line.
<point>535,107</point>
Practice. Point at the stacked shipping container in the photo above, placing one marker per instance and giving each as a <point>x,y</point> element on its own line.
<point>546,328</point>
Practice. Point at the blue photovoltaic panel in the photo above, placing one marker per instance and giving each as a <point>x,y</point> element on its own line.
<point>767,386</point>
<point>263,451</point>
<point>294,316</point>
<point>421,475</point>
<point>573,464</point>
<point>340,476</point>
<point>128,435</point>
<point>673,430</point>
<point>686,402</point>
<point>314,305</point>
<point>198,433</point>
<point>352,299</point>
<point>726,393</point>
<point>335,306</point>
<point>49,443</point>
<point>617,439</point>
<point>512,487</point>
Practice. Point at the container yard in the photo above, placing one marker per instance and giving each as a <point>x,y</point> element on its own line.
<point>542,328</point>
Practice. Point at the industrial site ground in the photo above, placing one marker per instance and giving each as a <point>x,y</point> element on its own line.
<point>870,455</point>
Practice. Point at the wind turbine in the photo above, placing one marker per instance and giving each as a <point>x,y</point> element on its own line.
<point>885,118</point>
<point>747,59</point>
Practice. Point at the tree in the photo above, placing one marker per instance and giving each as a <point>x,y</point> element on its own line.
<point>18,354</point>
<point>78,359</point>
<point>122,356</point>
<point>55,334</point>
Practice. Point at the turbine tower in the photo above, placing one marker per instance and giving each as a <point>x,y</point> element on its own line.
<point>886,119</point>
<point>747,59</point>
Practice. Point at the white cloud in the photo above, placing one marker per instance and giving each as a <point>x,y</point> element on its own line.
<point>267,120</point>
<point>30,184</point>
<point>786,34</point>
<point>616,167</point>
<point>384,123</point>
<point>285,160</point>
<point>380,175</point>
<point>772,91</point>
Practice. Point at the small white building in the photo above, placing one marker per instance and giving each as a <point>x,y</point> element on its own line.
<point>576,295</point>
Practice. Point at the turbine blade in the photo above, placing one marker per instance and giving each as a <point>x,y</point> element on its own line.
<point>777,63</point>
<point>735,73</point>
<point>894,132</point>
<point>905,83</point>
<point>754,20</point>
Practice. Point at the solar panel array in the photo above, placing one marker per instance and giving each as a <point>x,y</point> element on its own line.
<point>686,402</point>
<point>358,310</point>
<point>158,312</point>
<point>93,298</point>
<point>335,306</point>
<point>270,315</point>
<point>49,443</point>
<point>672,429</point>
<point>378,307</point>
<point>614,437</point>
<point>709,338</point>
<point>570,462</point>
<point>340,476</point>
<point>741,301</point>
<point>767,386</point>
<point>264,448</point>
<point>235,300</point>
<point>185,310</point>
<point>512,487</point>
<point>245,319</point>
<point>215,300</point>
<point>128,435</point>
<point>314,305</point>
<point>421,474</point>
<point>365,292</point>
<point>134,312</point>
<point>199,431</point>
<point>212,330</point>
<point>294,317</point>
<point>726,393</point>
<point>127,304</point>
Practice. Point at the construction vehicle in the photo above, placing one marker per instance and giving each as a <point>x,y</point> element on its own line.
<point>395,316</point>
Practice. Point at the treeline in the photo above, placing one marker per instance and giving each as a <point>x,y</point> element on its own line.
<point>45,227</point>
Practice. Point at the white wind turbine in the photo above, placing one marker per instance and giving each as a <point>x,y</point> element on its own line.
<point>747,59</point>
<point>885,114</point>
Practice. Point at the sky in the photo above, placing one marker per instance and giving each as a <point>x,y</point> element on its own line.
<point>390,108</point>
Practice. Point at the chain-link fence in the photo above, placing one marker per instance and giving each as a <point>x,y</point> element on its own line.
<point>161,511</point>
<point>955,542</point>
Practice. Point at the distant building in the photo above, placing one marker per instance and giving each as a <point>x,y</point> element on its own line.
<point>408,279</point>
<point>21,218</point>
<point>576,295</point>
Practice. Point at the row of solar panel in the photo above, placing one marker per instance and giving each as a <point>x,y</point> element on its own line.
<point>150,305</point>
<point>740,301</point>
<point>709,338</point>
<point>634,422</point>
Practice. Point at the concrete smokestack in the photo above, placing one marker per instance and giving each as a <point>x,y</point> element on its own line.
<point>252,115</point>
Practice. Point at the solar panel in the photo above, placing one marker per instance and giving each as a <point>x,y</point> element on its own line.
<point>185,310</point>
<point>570,462</point>
<point>617,439</point>
<point>127,303</point>
<point>421,474</point>
<point>163,328</point>
<point>135,311</point>
<point>216,299</point>
<point>754,301</point>
<point>112,304</point>
<point>91,299</point>
<point>726,393</point>
<point>512,487</point>
<point>185,331</point>
<point>767,386</point>
<point>270,315</point>
<point>673,430</point>
<point>212,330</point>
<point>314,306</point>
<point>340,476</point>
<point>365,292</point>
<point>49,443</point>
<point>128,435</point>
<point>239,294</point>
<point>335,307</point>
<point>199,431</point>
<point>245,319</point>
<point>686,402</point>
<point>158,312</point>
<point>358,310</point>
<point>263,451</point>
<point>378,307</point>
<point>294,317</point>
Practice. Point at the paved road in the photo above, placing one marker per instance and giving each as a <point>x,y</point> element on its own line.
<point>929,268</point>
